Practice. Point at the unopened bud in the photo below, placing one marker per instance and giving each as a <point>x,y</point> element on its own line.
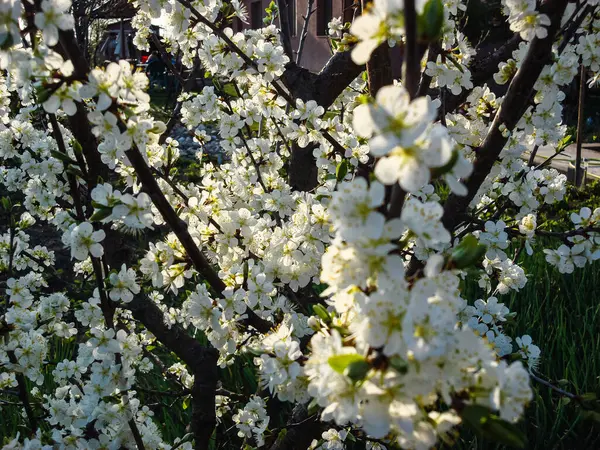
<point>314,323</point>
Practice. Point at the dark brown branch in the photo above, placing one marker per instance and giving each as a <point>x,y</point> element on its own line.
<point>178,226</point>
<point>411,56</point>
<point>284,26</point>
<point>166,58</point>
<point>187,86</point>
<point>79,123</point>
<point>201,360</point>
<point>304,160</point>
<point>325,86</point>
<point>513,107</point>
<point>483,68</point>
<point>304,32</point>
<point>302,429</point>
<point>379,69</point>
<point>532,156</point>
<point>572,27</point>
<point>58,137</point>
<point>554,388</point>
<point>411,83</point>
<point>432,53</point>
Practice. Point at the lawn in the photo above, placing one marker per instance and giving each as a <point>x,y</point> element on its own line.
<point>562,315</point>
<point>560,312</point>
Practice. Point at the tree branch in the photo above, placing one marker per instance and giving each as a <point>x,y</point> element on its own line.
<point>513,106</point>
<point>304,32</point>
<point>201,360</point>
<point>284,26</point>
<point>300,432</point>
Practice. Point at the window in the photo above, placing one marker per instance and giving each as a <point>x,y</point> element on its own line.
<point>256,15</point>
<point>324,16</point>
<point>237,24</point>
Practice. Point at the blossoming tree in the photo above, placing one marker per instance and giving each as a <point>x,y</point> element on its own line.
<point>327,256</point>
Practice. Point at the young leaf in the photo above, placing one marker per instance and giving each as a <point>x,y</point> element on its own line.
<point>485,423</point>
<point>467,253</point>
<point>320,311</point>
<point>101,214</point>
<point>357,370</point>
<point>341,170</point>
<point>339,363</point>
<point>432,20</point>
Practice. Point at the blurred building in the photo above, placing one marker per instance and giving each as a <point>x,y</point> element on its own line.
<point>316,47</point>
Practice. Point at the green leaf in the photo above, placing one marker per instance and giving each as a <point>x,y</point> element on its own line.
<point>341,170</point>
<point>467,253</point>
<point>43,94</point>
<point>282,434</point>
<point>77,148</point>
<point>62,157</point>
<point>563,143</point>
<point>430,23</point>
<point>74,171</point>
<point>357,370</point>
<point>505,432</point>
<point>591,415</point>
<point>320,311</point>
<point>6,203</point>
<point>101,214</point>
<point>472,415</point>
<point>399,364</point>
<point>312,406</point>
<point>186,403</point>
<point>339,363</point>
<point>487,424</point>
<point>564,401</point>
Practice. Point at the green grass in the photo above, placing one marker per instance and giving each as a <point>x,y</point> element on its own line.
<point>560,312</point>
<point>562,315</point>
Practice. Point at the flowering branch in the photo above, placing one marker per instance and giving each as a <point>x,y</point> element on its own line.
<point>201,360</point>
<point>509,114</point>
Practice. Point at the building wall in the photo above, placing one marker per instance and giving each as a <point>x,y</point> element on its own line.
<point>316,47</point>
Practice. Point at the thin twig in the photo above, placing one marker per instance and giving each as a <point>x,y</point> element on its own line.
<point>554,388</point>
<point>532,156</point>
<point>304,32</point>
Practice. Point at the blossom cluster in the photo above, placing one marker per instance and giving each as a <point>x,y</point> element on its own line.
<point>318,297</point>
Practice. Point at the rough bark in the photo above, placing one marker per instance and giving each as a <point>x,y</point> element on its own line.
<point>79,123</point>
<point>201,360</point>
<point>325,86</point>
<point>513,106</point>
<point>284,25</point>
<point>302,171</point>
<point>379,69</point>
